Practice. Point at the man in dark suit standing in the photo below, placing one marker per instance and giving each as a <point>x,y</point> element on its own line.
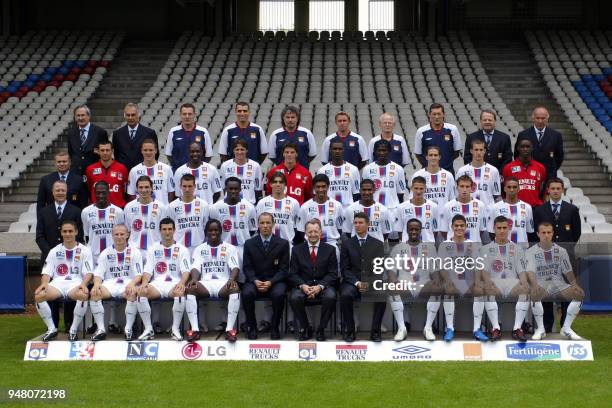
<point>498,145</point>
<point>357,257</point>
<point>48,225</point>
<point>83,140</point>
<point>312,275</point>
<point>265,263</point>
<point>547,142</point>
<point>565,219</point>
<point>127,140</point>
<point>76,195</point>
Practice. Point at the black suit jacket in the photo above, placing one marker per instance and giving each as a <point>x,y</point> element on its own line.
<point>48,226</point>
<point>77,192</point>
<point>127,151</point>
<point>81,158</point>
<point>271,265</point>
<point>499,152</point>
<point>302,271</point>
<point>549,152</point>
<point>356,261</point>
<point>567,228</point>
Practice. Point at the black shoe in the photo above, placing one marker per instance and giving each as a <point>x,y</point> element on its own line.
<point>321,335</point>
<point>99,335</point>
<point>349,337</point>
<point>264,326</point>
<point>304,334</point>
<point>527,328</point>
<point>251,333</point>
<point>72,337</point>
<point>91,329</point>
<point>375,336</point>
<point>193,336</point>
<point>407,324</point>
<point>519,335</point>
<point>49,335</point>
<point>244,327</point>
<point>129,335</point>
<point>275,334</point>
<point>290,328</point>
<point>113,328</point>
<point>157,328</point>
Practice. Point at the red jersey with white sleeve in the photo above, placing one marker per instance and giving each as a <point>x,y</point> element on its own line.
<point>142,221</point>
<point>116,175</point>
<point>299,182</point>
<point>531,180</point>
<point>98,226</point>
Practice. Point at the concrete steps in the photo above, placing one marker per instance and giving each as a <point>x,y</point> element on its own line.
<point>522,87</point>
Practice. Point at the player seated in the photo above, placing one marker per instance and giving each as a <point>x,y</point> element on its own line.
<point>425,280</point>
<point>117,276</point>
<point>551,279</point>
<point>166,272</point>
<point>213,275</point>
<point>504,277</point>
<point>459,280</point>
<point>66,273</point>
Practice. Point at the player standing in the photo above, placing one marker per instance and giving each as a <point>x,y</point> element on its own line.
<point>380,218</point>
<point>440,183</point>
<point>207,180</point>
<point>160,174</point>
<point>417,207</point>
<point>473,210</point>
<point>343,177</point>
<point>284,209</point>
<point>518,213</point>
<point>485,177</point>
<point>247,170</point>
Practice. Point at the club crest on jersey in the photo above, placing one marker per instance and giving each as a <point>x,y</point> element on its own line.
<point>301,139</point>
<point>253,135</point>
<point>532,172</point>
<point>447,138</point>
<point>198,138</point>
<point>351,143</point>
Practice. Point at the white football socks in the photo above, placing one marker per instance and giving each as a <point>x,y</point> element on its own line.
<point>433,305</point>
<point>397,306</point>
<point>477,309</point>
<point>45,313</point>
<point>572,312</point>
<point>538,314</point>
<point>130,314</point>
<point>79,313</point>
<point>520,311</point>
<point>144,310</point>
<point>178,309</point>
<point>449,312</point>
<point>233,307</point>
<point>97,310</point>
<point>192,312</point>
<point>492,312</point>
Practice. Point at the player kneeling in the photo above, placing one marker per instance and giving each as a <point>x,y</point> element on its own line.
<point>213,275</point>
<point>549,267</point>
<point>504,277</point>
<point>67,271</point>
<point>118,273</point>
<point>165,274</point>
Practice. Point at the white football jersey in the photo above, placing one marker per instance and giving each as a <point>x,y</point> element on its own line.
<point>143,223</point>
<point>486,180</point>
<point>426,213</point>
<point>160,174</point>
<point>440,187</point>
<point>285,213</point>
<point>520,219</point>
<point>468,249</point>
<point>344,181</point>
<point>237,221</point>
<point>331,215</point>
<point>190,219</point>
<point>505,261</point>
<point>207,180</point>
<point>381,221</point>
<point>548,265</point>
<point>416,263</point>
<point>167,263</point>
<point>389,181</point>
<point>475,214</point>
<point>98,226</point>
<point>71,265</point>
<point>119,267</point>
<point>215,262</point>
<point>250,174</point>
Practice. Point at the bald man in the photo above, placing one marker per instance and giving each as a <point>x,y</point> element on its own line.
<point>399,150</point>
<point>547,142</point>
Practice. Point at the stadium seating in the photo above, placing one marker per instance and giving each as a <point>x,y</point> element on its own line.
<point>43,76</point>
<point>575,65</point>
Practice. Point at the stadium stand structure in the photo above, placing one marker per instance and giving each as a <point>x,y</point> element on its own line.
<point>131,74</point>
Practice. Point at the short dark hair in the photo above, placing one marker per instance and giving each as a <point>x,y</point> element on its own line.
<point>366,181</point>
<point>511,178</point>
<point>545,224</point>
<point>414,220</point>
<point>188,106</point>
<point>280,175</point>
<point>419,179</point>
<point>499,218</point>
<point>149,141</point>
<point>478,141</point>
<point>290,109</point>
<point>187,177</point>
<point>104,142</point>
<point>144,178</point>
<point>555,180</point>
<point>242,103</point>
<point>240,142</point>
<point>166,221</point>
<point>290,145</point>
<point>382,142</point>
<point>103,184</point>
<point>428,148</point>
<point>234,179</point>
<point>320,178</point>
<point>464,177</point>
<point>70,222</point>
<point>362,215</point>
<point>436,106</point>
<point>211,222</point>
<point>458,217</point>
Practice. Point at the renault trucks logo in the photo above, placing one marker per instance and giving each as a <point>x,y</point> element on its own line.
<point>411,352</point>
<point>142,350</point>
<point>308,351</point>
<point>350,352</point>
<point>533,351</point>
<point>38,351</point>
<point>264,351</point>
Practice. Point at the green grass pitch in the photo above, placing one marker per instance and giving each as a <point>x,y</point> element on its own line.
<point>315,384</point>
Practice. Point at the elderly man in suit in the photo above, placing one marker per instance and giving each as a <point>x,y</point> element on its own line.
<point>547,142</point>
<point>83,140</point>
<point>76,195</point>
<point>357,257</point>
<point>312,275</point>
<point>48,226</point>
<point>498,144</point>
<point>265,263</point>
<point>127,140</point>
<point>565,219</point>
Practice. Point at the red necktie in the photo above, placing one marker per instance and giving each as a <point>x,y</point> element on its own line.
<point>313,255</point>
